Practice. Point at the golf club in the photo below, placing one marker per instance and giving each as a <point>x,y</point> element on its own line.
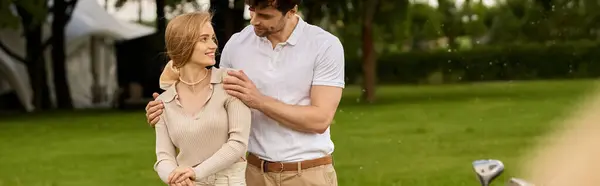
<point>487,170</point>
<point>518,182</point>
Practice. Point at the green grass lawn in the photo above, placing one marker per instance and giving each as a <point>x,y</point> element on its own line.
<point>425,135</point>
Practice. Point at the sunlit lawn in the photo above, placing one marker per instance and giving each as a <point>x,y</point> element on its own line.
<point>413,136</point>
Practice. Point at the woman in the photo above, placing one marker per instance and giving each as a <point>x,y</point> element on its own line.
<point>203,132</point>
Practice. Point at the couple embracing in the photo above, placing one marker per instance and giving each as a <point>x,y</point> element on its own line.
<point>263,117</point>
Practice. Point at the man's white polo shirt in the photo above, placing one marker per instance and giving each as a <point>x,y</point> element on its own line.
<point>311,56</point>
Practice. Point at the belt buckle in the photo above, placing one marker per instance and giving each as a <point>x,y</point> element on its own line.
<point>281,165</point>
<point>266,167</point>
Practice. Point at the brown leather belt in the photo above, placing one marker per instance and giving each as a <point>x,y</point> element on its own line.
<point>268,166</point>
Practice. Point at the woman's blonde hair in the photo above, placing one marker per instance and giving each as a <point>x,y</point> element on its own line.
<point>182,34</point>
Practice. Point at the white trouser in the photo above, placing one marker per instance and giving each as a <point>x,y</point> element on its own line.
<point>235,175</point>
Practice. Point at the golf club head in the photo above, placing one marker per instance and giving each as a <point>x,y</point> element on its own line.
<point>518,182</point>
<point>487,170</point>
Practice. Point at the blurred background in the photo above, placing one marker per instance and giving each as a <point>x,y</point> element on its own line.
<point>432,84</point>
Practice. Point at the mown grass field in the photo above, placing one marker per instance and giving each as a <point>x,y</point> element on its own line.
<point>425,135</point>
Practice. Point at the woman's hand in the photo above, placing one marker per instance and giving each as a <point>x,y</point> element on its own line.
<point>186,182</point>
<point>181,174</point>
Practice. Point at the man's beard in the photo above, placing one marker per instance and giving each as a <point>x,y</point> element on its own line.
<point>266,32</point>
<point>262,33</point>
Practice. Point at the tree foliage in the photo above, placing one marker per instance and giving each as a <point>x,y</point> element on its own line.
<point>171,6</point>
<point>37,9</point>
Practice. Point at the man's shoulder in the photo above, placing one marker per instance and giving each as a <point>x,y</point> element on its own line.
<point>240,37</point>
<point>318,32</point>
<point>321,36</point>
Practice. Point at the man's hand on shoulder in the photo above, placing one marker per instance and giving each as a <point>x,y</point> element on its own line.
<point>153,110</point>
<point>240,86</point>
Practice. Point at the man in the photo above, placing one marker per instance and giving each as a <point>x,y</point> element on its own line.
<point>291,76</point>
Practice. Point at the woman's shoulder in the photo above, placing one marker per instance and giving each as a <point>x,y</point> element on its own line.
<point>168,95</point>
<point>219,74</point>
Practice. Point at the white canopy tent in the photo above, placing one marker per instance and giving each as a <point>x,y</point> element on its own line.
<point>90,57</point>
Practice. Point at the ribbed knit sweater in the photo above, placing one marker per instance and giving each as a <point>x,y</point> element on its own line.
<point>211,140</point>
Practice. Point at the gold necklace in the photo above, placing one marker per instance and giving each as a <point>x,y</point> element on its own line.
<point>194,83</point>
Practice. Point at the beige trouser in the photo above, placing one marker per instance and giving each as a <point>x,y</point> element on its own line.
<point>323,175</point>
<point>232,176</point>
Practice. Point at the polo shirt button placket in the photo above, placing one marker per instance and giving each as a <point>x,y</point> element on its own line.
<point>275,57</point>
<point>272,64</point>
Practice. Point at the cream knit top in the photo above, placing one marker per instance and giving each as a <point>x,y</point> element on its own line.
<point>209,141</point>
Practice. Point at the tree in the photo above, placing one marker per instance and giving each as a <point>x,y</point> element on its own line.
<point>450,25</point>
<point>161,23</point>
<point>9,17</point>
<point>312,10</point>
<point>61,11</point>
<point>227,20</point>
<point>369,58</point>
<point>424,25</point>
<point>344,13</point>
<point>32,16</point>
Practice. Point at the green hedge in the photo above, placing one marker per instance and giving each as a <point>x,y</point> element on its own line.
<point>514,62</point>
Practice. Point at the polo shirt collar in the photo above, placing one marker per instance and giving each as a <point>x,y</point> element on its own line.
<point>293,39</point>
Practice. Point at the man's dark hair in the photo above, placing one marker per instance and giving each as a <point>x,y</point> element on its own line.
<point>282,5</point>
